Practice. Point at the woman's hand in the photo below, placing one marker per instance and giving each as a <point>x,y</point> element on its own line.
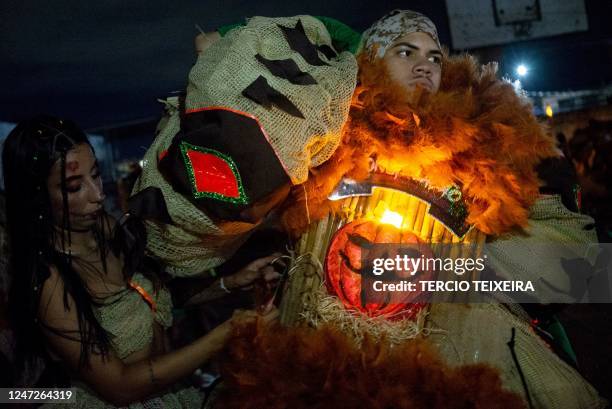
<point>221,333</point>
<point>268,315</point>
<point>261,268</point>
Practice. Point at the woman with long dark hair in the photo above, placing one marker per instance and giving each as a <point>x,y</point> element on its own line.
<point>83,293</point>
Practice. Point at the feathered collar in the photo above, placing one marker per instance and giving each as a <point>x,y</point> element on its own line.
<point>476,133</point>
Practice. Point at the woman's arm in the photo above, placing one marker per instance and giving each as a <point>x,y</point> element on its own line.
<point>243,279</point>
<point>116,382</point>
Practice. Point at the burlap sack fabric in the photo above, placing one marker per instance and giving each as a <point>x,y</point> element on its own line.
<point>193,242</point>
<point>554,235</point>
<point>480,333</point>
<point>229,66</point>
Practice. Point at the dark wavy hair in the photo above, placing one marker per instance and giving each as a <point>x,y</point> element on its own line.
<point>29,153</point>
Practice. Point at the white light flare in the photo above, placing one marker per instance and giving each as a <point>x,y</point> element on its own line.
<point>522,70</point>
<point>392,218</point>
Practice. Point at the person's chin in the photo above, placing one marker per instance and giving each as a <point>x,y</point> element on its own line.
<point>415,93</point>
<point>83,225</point>
<point>423,86</point>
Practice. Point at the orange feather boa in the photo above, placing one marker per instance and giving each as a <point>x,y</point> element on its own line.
<point>306,368</point>
<point>475,132</point>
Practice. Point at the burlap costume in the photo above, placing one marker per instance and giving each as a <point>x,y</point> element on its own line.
<point>475,129</point>
<point>478,333</point>
<point>192,242</point>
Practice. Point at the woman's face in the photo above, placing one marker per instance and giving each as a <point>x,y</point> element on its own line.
<point>414,60</point>
<point>83,188</point>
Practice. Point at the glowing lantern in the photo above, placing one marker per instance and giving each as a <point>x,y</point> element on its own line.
<point>343,265</point>
<point>384,210</point>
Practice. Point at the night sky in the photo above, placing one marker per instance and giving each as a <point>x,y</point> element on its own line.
<point>106,62</point>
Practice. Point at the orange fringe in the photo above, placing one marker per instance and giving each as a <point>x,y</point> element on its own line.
<point>476,132</point>
<point>305,368</point>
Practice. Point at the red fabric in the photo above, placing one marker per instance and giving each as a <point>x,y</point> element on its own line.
<point>213,174</point>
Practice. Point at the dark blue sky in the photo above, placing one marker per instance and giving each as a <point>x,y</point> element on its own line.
<point>107,62</point>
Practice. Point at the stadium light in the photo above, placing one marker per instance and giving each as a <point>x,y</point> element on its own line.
<point>521,70</point>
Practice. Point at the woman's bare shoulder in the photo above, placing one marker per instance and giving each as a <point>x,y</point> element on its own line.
<point>56,307</point>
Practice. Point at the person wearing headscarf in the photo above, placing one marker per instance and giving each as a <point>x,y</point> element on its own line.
<point>445,123</point>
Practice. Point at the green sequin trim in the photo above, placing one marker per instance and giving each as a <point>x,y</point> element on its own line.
<point>241,199</point>
<point>457,207</point>
<point>458,210</point>
<point>453,194</point>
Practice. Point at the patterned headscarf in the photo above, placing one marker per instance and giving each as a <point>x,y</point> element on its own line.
<point>390,27</point>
